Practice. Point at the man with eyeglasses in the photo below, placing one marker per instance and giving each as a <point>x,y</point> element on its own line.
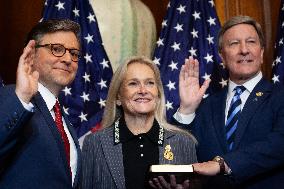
<point>38,146</point>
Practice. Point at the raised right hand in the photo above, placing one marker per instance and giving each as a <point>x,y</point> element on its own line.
<point>27,78</point>
<point>190,91</point>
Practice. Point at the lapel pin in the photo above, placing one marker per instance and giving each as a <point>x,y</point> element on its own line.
<point>259,93</point>
<point>168,154</point>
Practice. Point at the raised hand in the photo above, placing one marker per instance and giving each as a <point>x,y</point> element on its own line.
<point>190,91</point>
<point>27,78</point>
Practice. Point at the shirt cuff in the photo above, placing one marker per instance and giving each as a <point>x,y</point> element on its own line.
<point>184,118</point>
<point>29,107</point>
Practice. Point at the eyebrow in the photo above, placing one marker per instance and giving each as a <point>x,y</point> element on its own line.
<point>149,78</point>
<point>250,37</point>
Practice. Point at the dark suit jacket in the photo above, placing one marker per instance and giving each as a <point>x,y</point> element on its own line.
<point>257,158</point>
<point>31,150</point>
<point>103,161</point>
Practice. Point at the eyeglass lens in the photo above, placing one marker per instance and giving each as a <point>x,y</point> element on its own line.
<point>59,50</point>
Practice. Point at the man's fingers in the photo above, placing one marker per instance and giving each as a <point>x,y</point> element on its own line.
<point>204,86</point>
<point>28,53</point>
<point>27,58</point>
<point>189,69</point>
<point>196,69</point>
<point>35,75</point>
<point>182,73</point>
<point>196,167</point>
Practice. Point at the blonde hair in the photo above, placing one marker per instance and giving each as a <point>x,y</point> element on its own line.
<point>112,112</point>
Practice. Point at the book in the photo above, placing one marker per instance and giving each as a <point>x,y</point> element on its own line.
<point>181,172</point>
<point>169,168</point>
<point>186,172</point>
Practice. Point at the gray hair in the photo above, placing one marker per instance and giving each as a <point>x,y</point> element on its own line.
<point>240,20</point>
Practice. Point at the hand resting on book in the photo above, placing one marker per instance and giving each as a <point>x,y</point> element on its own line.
<point>160,182</point>
<point>173,176</point>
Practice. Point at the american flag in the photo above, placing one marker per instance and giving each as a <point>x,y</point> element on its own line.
<point>190,28</point>
<point>278,63</point>
<point>84,100</point>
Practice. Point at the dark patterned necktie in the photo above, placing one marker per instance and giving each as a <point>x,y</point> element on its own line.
<point>59,124</point>
<point>233,116</point>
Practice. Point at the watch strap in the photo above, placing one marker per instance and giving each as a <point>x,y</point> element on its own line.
<point>221,163</point>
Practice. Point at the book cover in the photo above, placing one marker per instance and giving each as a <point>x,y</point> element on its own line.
<point>169,168</point>
<point>181,172</point>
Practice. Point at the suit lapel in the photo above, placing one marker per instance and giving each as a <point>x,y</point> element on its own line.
<point>71,129</point>
<point>261,91</point>
<point>218,108</point>
<point>114,158</point>
<point>40,106</point>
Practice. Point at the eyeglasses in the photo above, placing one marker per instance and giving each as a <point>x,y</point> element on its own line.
<point>59,50</point>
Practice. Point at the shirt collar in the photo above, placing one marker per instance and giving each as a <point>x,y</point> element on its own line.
<point>47,96</point>
<point>123,134</point>
<point>249,85</point>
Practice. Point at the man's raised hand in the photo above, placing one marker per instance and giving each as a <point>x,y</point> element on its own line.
<point>27,78</point>
<point>190,91</point>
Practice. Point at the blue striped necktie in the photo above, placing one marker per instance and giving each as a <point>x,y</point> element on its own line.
<point>233,116</point>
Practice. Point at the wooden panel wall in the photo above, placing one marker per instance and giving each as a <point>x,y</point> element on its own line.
<point>17,17</point>
<point>264,11</point>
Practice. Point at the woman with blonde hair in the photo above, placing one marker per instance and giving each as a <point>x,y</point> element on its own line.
<point>135,132</point>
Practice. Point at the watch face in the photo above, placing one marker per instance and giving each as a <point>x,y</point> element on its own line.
<point>218,159</point>
<point>221,163</point>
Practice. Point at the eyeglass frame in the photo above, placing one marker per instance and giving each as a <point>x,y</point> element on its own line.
<point>50,47</point>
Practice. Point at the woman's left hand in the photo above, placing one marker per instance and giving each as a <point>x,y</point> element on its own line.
<point>161,183</point>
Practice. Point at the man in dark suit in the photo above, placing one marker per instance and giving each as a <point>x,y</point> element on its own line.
<point>240,130</point>
<point>38,146</point>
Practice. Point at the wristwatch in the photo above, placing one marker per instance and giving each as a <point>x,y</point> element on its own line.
<point>221,162</point>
